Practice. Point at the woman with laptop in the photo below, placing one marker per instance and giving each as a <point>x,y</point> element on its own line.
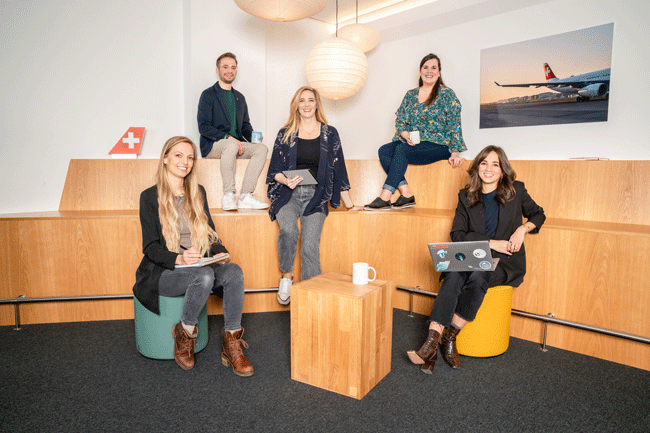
<point>177,231</point>
<point>307,143</point>
<point>428,130</point>
<point>490,207</point>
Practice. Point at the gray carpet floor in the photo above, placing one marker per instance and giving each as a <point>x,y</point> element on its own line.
<point>83,377</point>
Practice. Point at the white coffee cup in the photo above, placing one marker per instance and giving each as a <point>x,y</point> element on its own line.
<point>415,137</point>
<point>360,273</point>
<point>256,137</point>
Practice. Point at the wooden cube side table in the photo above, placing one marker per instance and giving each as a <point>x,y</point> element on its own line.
<point>341,333</point>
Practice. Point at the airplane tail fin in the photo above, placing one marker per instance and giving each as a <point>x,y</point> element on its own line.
<point>548,72</point>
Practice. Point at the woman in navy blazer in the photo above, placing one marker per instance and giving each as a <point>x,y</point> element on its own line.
<point>305,142</point>
<point>491,207</point>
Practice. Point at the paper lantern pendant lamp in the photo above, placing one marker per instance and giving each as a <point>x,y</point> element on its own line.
<point>337,68</point>
<point>367,37</point>
<point>282,10</point>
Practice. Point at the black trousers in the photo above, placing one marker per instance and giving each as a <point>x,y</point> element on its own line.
<point>462,293</point>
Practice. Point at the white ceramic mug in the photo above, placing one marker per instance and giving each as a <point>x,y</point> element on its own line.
<point>256,137</point>
<point>360,273</point>
<point>415,137</point>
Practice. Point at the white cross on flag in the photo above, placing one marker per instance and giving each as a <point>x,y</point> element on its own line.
<point>130,143</point>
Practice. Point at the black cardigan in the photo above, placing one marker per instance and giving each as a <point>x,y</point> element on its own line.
<point>156,255</point>
<point>469,225</point>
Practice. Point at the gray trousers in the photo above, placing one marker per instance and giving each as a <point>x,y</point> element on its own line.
<point>227,149</point>
<point>312,227</point>
<point>197,284</point>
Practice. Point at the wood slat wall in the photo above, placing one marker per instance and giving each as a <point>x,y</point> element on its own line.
<point>586,265</point>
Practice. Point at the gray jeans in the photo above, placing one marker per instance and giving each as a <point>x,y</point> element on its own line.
<point>197,284</point>
<point>312,227</point>
<point>227,150</point>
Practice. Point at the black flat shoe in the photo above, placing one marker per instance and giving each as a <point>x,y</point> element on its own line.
<point>378,204</point>
<point>403,202</point>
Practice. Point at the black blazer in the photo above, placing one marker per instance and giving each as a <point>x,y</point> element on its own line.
<point>213,118</point>
<point>469,225</point>
<point>156,255</point>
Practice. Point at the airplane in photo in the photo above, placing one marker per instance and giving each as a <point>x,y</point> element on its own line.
<point>589,85</point>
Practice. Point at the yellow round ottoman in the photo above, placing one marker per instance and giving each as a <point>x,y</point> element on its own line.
<point>489,333</point>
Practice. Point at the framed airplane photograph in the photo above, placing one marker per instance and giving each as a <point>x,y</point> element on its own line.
<point>557,79</point>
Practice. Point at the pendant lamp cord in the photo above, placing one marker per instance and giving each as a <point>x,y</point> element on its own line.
<point>337,19</point>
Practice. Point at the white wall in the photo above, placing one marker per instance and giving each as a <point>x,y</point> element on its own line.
<point>393,68</point>
<point>217,27</point>
<point>77,74</point>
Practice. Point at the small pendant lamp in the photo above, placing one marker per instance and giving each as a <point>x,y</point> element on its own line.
<point>367,37</point>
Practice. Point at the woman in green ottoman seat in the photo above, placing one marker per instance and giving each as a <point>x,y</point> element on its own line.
<point>177,230</point>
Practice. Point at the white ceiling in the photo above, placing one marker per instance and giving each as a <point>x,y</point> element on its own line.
<point>370,10</point>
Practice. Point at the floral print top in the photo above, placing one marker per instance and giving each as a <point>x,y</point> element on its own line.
<point>438,123</point>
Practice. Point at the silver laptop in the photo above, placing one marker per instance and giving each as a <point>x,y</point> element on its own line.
<point>462,256</point>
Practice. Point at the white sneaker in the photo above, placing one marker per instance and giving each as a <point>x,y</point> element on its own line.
<point>247,201</point>
<point>228,201</point>
<point>284,291</point>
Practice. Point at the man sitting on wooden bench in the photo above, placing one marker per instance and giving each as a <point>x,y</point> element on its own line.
<point>226,133</point>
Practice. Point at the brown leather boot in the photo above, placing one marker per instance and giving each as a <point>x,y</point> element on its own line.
<point>429,349</point>
<point>448,346</point>
<point>184,346</point>
<point>233,354</point>
<point>429,364</point>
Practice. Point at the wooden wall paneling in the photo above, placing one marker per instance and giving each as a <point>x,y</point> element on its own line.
<point>607,191</point>
<point>599,284</point>
<point>105,184</point>
<point>252,240</point>
<point>436,186</point>
<point>102,184</point>
<point>430,183</point>
<point>9,267</point>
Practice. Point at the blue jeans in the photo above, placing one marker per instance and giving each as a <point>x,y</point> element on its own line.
<point>397,155</point>
<point>312,227</point>
<point>197,284</point>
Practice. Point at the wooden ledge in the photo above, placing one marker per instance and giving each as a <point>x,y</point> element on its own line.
<point>81,214</point>
<point>598,227</point>
<point>217,213</point>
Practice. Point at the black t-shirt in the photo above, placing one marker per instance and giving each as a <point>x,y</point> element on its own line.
<point>308,154</point>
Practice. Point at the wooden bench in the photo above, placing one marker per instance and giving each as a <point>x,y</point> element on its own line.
<point>585,266</point>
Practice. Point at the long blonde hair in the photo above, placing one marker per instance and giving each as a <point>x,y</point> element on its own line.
<point>202,235</point>
<point>292,125</point>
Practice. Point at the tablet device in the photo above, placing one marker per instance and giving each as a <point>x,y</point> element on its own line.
<point>307,178</point>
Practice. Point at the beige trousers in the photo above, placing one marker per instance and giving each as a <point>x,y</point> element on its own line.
<point>227,150</point>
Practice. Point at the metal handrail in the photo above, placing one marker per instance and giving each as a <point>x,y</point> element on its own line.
<point>550,318</point>
<point>23,300</point>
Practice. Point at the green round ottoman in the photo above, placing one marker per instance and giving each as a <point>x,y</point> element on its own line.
<point>153,332</point>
